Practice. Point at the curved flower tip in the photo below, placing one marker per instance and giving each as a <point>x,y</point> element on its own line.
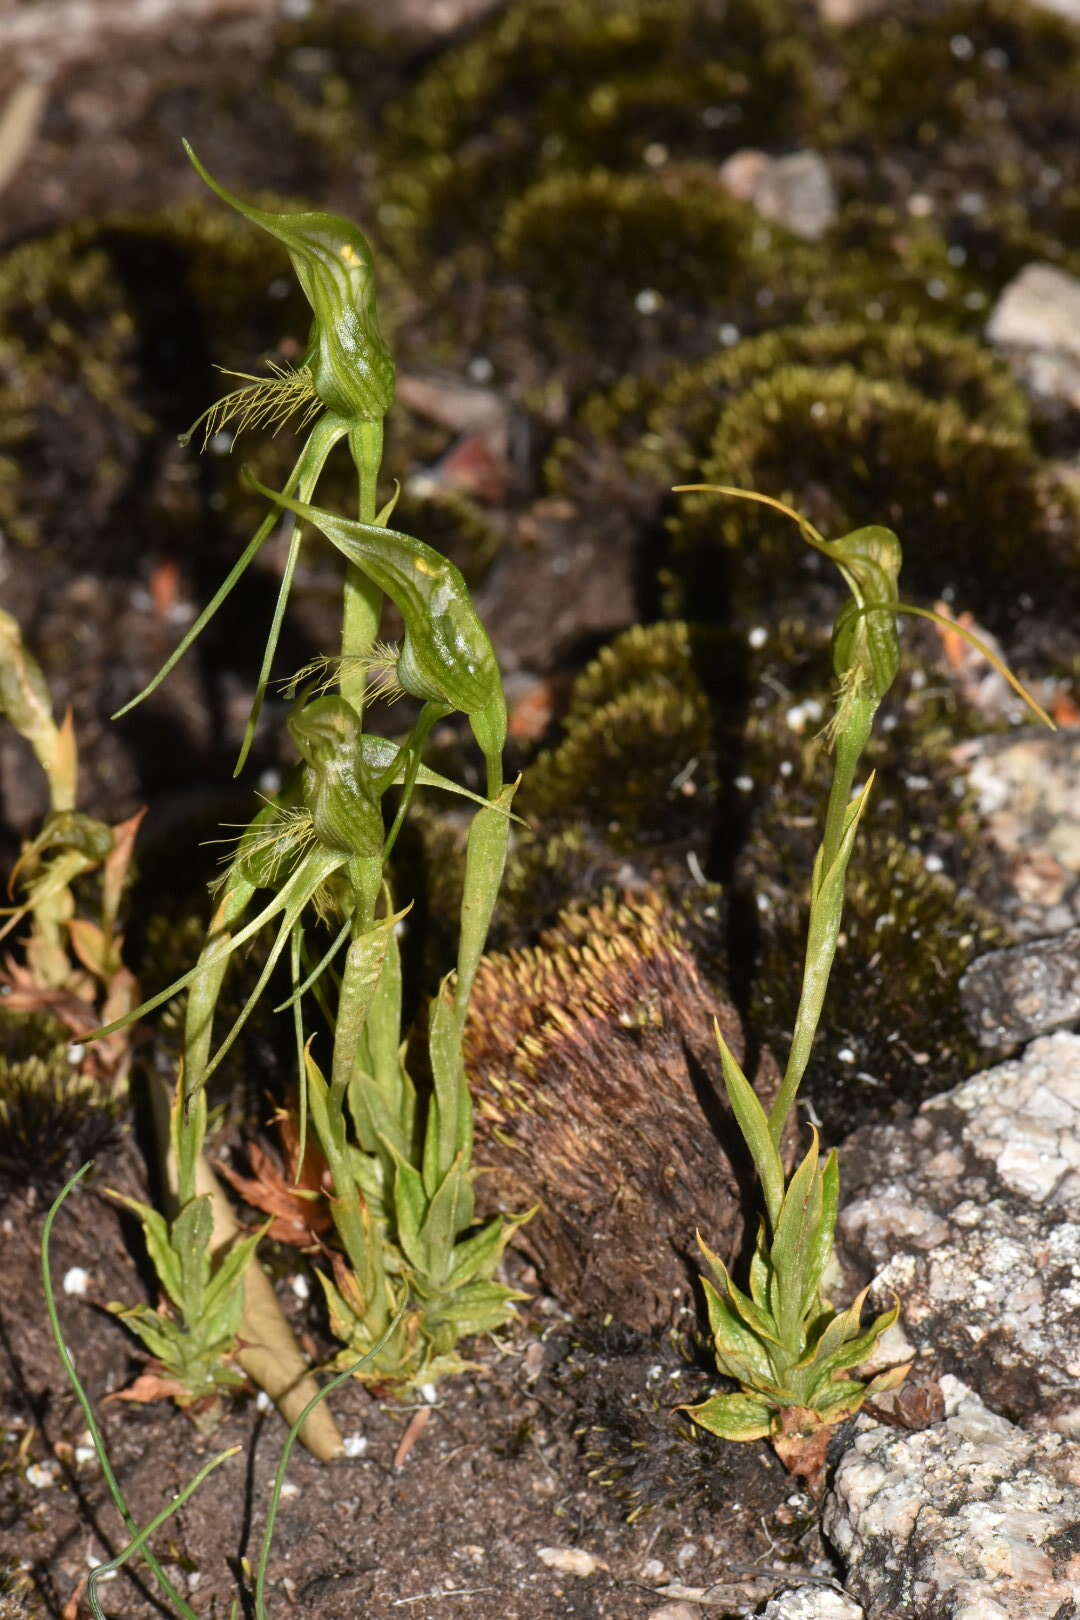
<point>349,362</point>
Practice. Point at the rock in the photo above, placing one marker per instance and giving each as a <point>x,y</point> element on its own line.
<point>843,13</point>
<point>797,192</point>
<point>811,1603</point>
<point>1028,793</point>
<point>1037,319</point>
<point>569,1560</point>
<point>1012,995</point>
<point>970,1520</point>
<point>794,191</point>
<point>968,1212</point>
<point>1069,9</point>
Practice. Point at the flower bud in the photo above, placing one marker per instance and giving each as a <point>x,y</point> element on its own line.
<point>350,365</point>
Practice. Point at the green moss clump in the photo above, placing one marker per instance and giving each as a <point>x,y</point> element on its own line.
<point>969,503</point>
<point>933,362</point>
<point>67,386</point>
<point>893,1032</point>
<point>616,261</point>
<point>558,86</point>
<point>53,1116</point>
<point>937,72</point>
<point>636,762</point>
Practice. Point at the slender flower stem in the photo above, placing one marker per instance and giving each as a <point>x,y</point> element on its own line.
<point>363,599</point>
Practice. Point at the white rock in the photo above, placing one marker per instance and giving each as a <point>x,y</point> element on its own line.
<point>569,1560</point>
<point>76,1280</point>
<point>958,1521</point>
<point>1069,9</point>
<point>990,1172</point>
<point>1037,319</point>
<point>797,192</point>
<point>1038,309</point>
<point>811,1603</point>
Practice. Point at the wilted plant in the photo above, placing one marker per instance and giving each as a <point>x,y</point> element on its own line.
<point>68,973</point>
<point>782,1341</point>
<point>399,1167</point>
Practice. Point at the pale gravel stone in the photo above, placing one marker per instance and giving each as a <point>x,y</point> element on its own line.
<point>811,1603</point>
<point>957,1521</point>
<point>996,1294</point>
<point>797,192</point>
<point>1039,309</point>
<point>1011,995</point>
<point>1028,793</point>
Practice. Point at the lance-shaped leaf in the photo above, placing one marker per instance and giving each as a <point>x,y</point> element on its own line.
<point>795,1241</point>
<point>757,1318</point>
<point>739,1351</point>
<point>754,1126</point>
<point>733,1417</point>
<point>349,362</point>
<point>25,701</point>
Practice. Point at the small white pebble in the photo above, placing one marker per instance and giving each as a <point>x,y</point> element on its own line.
<point>655,154</point>
<point>648,301</point>
<point>568,1560</point>
<point>42,1475</point>
<point>728,334</point>
<point>429,1393</point>
<point>263,1403</point>
<point>480,369</point>
<point>934,863</point>
<point>354,1445</point>
<point>744,783</point>
<point>75,1053</point>
<point>758,636</point>
<point>84,1455</point>
<point>289,1489</point>
<point>76,1280</point>
<point>846,1055</point>
<point>300,1286</point>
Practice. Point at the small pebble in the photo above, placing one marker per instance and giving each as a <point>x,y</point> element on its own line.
<point>354,1445</point>
<point>429,1393</point>
<point>568,1560</point>
<point>300,1286</point>
<point>76,1280</point>
<point>42,1475</point>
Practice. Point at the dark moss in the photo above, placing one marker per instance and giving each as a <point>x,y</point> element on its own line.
<point>636,760</point>
<point>552,88</point>
<point>937,72</point>
<point>622,262</point>
<point>936,363</point>
<point>892,1032</point>
<point>53,1117</point>
<point>970,503</point>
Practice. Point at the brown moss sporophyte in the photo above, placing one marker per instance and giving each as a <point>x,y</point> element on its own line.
<point>789,1351</point>
<point>412,1272</point>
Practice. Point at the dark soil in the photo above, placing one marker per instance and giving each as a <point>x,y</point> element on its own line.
<point>121,288</point>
